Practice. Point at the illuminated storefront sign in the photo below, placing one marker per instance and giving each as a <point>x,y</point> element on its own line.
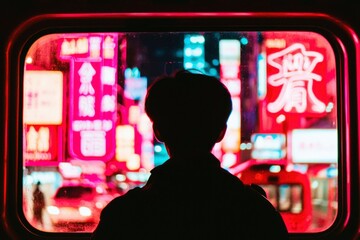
<point>43,116</point>
<point>125,142</point>
<point>90,167</point>
<point>125,147</point>
<point>43,97</point>
<point>88,46</point>
<point>92,112</point>
<point>194,54</point>
<point>229,58</point>
<point>68,170</point>
<point>148,150</point>
<point>268,146</point>
<point>314,146</point>
<point>40,143</point>
<point>296,77</point>
<point>93,100</point>
<point>135,85</point>
<point>76,46</point>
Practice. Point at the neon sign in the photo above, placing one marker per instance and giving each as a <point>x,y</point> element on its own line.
<point>314,146</point>
<point>294,80</point>
<point>135,85</point>
<point>93,98</point>
<point>94,104</point>
<point>194,54</point>
<point>229,58</point>
<point>268,146</point>
<point>40,143</point>
<point>43,116</point>
<point>43,97</point>
<point>72,46</point>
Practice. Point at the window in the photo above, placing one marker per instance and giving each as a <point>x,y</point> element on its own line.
<point>72,192</point>
<point>285,198</point>
<point>84,122</point>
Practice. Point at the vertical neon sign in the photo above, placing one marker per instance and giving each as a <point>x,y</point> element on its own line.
<point>194,54</point>
<point>229,52</point>
<point>93,98</point>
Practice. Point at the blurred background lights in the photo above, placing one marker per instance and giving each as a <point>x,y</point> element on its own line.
<point>197,39</point>
<point>158,148</point>
<point>244,41</point>
<point>245,146</point>
<point>120,177</point>
<point>29,60</point>
<point>329,107</point>
<point>275,168</point>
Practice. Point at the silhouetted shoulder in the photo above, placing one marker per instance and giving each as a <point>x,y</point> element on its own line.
<point>118,216</point>
<point>124,200</point>
<point>250,209</point>
<point>204,199</point>
<point>263,215</point>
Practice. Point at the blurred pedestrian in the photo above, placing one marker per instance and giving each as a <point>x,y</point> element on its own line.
<point>38,205</point>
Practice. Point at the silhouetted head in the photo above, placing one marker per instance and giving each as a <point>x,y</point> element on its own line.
<point>188,110</point>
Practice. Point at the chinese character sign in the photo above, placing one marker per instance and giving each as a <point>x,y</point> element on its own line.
<point>93,101</point>
<point>93,108</point>
<point>42,116</point>
<point>43,97</point>
<point>296,79</point>
<point>41,143</point>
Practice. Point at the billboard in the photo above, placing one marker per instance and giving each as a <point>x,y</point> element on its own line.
<point>268,146</point>
<point>229,58</point>
<point>93,99</point>
<point>43,117</point>
<point>314,146</point>
<point>43,97</point>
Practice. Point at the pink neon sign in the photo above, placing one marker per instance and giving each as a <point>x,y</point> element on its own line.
<point>93,98</point>
<point>296,78</point>
<point>41,143</point>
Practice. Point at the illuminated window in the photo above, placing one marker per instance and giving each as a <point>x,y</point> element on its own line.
<point>85,128</point>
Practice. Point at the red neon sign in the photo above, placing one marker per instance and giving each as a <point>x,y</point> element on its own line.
<point>296,76</point>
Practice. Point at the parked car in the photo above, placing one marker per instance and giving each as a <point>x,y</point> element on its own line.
<point>77,206</point>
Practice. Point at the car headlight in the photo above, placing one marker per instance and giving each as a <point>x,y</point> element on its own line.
<point>53,210</point>
<point>85,211</point>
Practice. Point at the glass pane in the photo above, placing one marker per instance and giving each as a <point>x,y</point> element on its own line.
<point>271,194</point>
<point>296,199</point>
<point>284,201</point>
<point>86,136</point>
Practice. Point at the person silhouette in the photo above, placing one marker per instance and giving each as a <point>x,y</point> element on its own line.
<point>38,205</point>
<point>190,196</point>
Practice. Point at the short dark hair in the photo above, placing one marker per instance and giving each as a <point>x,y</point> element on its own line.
<point>188,107</point>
